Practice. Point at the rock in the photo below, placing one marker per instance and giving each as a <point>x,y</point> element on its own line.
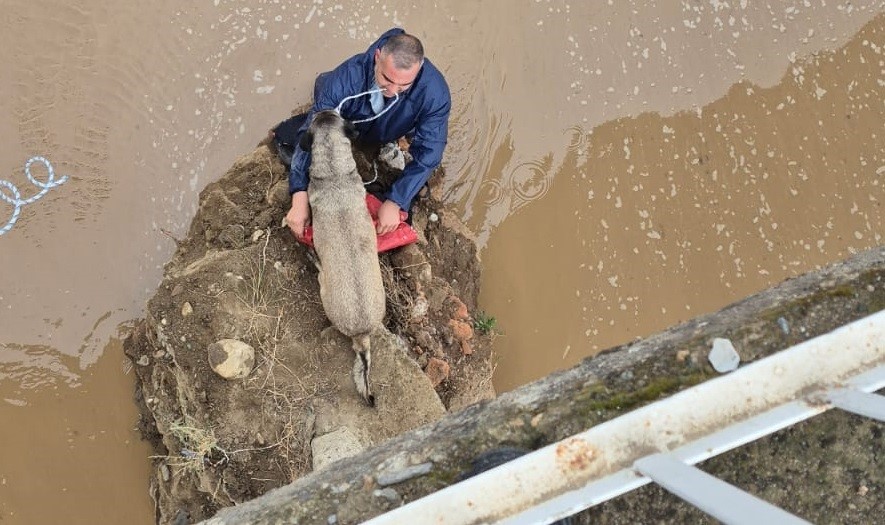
<point>338,444</point>
<point>231,359</point>
<point>398,476</point>
<point>164,472</point>
<point>682,355</point>
<point>723,356</point>
<point>389,494</point>
<point>419,308</point>
<point>466,348</point>
<point>460,309</point>
<point>434,217</point>
<point>233,236</point>
<point>437,371</point>
<point>264,219</point>
<point>278,195</point>
<point>144,360</point>
<point>186,309</point>
<point>461,330</point>
<point>257,234</point>
<point>784,325</point>
<point>425,340</point>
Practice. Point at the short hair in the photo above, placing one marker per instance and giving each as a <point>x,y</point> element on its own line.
<point>406,50</point>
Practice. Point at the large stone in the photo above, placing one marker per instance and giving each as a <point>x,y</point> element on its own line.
<point>231,359</point>
<point>338,444</point>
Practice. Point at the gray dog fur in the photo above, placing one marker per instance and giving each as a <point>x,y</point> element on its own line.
<point>351,288</point>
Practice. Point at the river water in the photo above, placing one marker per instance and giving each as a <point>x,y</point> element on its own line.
<point>624,165</point>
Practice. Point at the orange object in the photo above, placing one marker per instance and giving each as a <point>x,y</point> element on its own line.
<point>403,234</point>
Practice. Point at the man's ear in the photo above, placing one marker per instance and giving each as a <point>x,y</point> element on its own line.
<point>350,131</point>
<point>306,142</point>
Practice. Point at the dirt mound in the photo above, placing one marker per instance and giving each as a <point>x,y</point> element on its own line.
<point>240,275</point>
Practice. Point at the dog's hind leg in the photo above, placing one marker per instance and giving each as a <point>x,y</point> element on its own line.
<point>362,367</point>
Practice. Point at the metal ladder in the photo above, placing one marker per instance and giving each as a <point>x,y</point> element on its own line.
<point>660,443</point>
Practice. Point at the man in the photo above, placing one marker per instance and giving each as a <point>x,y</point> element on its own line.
<point>420,102</point>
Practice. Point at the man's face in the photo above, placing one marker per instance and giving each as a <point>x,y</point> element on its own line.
<point>391,80</point>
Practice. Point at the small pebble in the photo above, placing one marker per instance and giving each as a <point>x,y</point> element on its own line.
<point>144,360</point>
<point>186,309</point>
<point>391,478</point>
<point>434,217</point>
<point>389,494</point>
<point>785,327</point>
<point>723,356</point>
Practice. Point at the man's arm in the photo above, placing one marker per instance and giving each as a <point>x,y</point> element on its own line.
<point>328,91</point>
<point>426,149</point>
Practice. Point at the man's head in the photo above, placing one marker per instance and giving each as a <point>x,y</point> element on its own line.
<point>397,63</point>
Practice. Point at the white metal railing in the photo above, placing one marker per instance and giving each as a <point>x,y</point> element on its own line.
<point>660,442</point>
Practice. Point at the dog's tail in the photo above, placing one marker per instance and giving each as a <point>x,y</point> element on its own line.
<point>362,366</point>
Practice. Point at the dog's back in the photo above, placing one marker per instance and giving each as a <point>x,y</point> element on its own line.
<point>351,288</point>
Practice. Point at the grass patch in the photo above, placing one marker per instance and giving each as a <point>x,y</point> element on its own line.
<point>199,447</point>
<point>485,324</point>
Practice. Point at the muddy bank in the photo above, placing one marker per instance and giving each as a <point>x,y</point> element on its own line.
<point>239,275</point>
<point>838,458</point>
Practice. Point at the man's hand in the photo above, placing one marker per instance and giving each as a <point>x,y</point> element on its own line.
<point>299,214</point>
<point>388,217</point>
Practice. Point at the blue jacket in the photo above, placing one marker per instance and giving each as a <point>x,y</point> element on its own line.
<point>424,108</point>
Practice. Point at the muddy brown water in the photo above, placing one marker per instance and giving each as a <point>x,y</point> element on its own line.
<point>624,165</point>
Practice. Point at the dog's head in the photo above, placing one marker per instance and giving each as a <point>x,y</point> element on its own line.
<point>326,121</point>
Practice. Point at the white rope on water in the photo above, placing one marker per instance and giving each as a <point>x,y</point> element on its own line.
<point>16,201</point>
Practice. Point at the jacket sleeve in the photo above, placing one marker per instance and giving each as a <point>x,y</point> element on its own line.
<point>426,149</point>
<point>329,89</point>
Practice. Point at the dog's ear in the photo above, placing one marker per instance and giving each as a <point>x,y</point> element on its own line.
<point>306,142</point>
<point>350,131</point>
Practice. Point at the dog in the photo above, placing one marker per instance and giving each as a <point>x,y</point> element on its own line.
<point>351,288</point>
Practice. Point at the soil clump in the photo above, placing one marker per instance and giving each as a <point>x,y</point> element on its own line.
<point>240,275</point>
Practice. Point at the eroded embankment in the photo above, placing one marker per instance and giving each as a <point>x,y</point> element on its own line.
<point>239,275</point>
